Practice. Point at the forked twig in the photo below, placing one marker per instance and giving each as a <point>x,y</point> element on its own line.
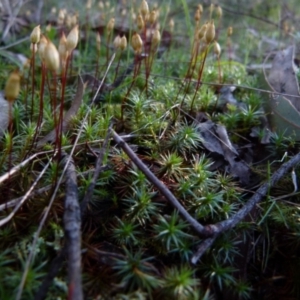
<point>157,183</point>
<point>210,231</point>
<point>222,226</point>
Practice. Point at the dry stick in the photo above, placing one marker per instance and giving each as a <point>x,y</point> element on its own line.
<point>54,269</point>
<point>26,196</point>
<point>257,197</point>
<point>213,230</point>
<point>72,226</point>
<point>158,184</point>
<point>47,209</point>
<point>98,169</point>
<point>15,201</point>
<point>202,248</point>
<point>20,166</point>
<point>42,190</point>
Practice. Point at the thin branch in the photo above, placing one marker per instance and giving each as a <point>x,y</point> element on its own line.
<point>158,184</point>
<point>44,189</point>
<point>26,196</point>
<point>72,227</point>
<point>20,166</point>
<point>98,170</point>
<point>222,226</point>
<point>15,201</point>
<point>214,230</point>
<point>20,41</point>
<point>202,248</point>
<point>54,269</point>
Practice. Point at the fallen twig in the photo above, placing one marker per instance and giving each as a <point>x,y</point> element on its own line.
<point>20,166</point>
<point>210,230</point>
<point>72,227</point>
<point>47,282</point>
<point>158,184</point>
<point>202,248</point>
<point>213,230</point>
<point>15,201</point>
<point>98,169</point>
<point>26,196</point>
